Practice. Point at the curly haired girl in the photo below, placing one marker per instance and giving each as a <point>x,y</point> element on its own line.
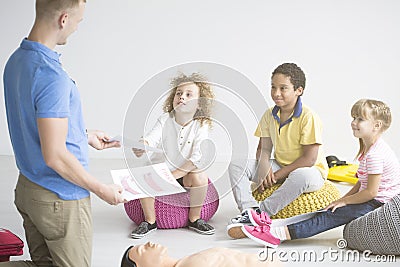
<point>179,132</point>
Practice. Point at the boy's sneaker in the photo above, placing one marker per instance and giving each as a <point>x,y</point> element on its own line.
<point>244,218</point>
<point>143,229</point>
<point>235,230</point>
<point>201,227</point>
<point>259,218</point>
<point>262,235</point>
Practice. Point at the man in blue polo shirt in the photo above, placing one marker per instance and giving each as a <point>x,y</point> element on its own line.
<point>50,142</point>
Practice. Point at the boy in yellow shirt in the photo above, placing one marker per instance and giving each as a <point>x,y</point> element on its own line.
<point>293,131</point>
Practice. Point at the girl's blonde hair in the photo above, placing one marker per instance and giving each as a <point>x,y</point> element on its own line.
<point>206,96</point>
<point>374,110</point>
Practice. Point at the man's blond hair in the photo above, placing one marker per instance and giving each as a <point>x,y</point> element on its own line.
<point>50,8</point>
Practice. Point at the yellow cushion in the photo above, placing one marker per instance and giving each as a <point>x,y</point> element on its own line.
<point>306,202</point>
<point>344,173</point>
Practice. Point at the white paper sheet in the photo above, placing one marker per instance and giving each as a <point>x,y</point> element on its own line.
<point>153,180</point>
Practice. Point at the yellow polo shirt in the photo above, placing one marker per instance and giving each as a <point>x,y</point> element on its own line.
<point>304,129</point>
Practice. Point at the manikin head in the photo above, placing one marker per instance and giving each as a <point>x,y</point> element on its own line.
<point>144,255</point>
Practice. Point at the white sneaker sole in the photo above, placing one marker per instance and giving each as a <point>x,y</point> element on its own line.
<point>139,236</point>
<point>209,232</point>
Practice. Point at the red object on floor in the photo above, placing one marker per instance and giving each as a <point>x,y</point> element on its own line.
<point>10,245</point>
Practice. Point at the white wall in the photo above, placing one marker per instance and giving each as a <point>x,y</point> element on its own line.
<point>349,49</point>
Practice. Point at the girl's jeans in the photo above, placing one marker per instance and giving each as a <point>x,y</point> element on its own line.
<point>324,221</point>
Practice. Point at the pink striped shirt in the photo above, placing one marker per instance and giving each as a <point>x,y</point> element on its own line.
<point>380,159</point>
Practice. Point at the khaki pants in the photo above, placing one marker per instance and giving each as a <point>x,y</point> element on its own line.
<point>58,232</point>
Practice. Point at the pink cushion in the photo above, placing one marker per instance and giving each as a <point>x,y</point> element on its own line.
<point>172,211</point>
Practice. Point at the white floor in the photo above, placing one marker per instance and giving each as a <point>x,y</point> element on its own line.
<point>112,227</point>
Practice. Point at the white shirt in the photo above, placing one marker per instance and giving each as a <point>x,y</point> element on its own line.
<point>179,143</point>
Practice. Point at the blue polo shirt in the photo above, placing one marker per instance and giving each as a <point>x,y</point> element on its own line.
<point>36,86</point>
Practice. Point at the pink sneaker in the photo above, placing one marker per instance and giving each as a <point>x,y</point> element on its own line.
<point>261,235</point>
<point>235,230</point>
<point>259,219</point>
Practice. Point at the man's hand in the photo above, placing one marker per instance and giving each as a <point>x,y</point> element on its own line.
<point>99,140</point>
<point>111,193</point>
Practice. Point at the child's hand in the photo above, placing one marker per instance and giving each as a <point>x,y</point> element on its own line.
<point>138,152</point>
<point>336,204</point>
<point>261,186</point>
<point>268,182</point>
<point>271,179</point>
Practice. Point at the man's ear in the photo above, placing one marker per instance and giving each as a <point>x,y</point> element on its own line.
<point>299,90</point>
<point>62,20</point>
